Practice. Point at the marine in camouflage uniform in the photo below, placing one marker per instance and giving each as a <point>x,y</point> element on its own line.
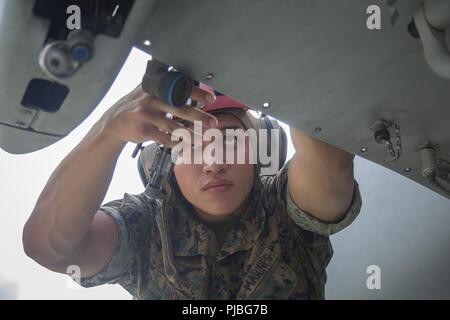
<point>275,250</point>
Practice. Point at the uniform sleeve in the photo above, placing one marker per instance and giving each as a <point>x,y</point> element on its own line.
<point>315,251</point>
<point>305,220</point>
<point>131,216</point>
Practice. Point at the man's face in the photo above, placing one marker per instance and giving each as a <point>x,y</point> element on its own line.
<point>217,190</point>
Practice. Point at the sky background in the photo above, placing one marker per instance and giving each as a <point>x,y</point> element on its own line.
<point>401,225</point>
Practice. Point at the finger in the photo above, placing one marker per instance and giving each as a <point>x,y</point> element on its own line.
<point>159,120</point>
<point>192,114</point>
<point>159,136</point>
<point>185,112</point>
<point>180,132</point>
<point>170,139</point>
<point>202,96</point>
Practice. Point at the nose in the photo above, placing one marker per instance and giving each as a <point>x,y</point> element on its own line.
<point>213,165</point>
<point>214,168</point>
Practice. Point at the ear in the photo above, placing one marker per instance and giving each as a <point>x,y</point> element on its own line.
<point>281,143</point>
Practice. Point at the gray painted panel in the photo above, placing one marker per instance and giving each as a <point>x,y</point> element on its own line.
<point>317,64</point>
<point>22,35</point>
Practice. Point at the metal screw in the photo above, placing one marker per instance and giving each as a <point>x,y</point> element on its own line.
<point>364,149</point>
<point>147,43</point>
<point>266,105</point>
<point>407,169</point>
<point>209,76</point>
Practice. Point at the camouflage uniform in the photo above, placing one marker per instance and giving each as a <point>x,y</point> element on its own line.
<point>274,251</point>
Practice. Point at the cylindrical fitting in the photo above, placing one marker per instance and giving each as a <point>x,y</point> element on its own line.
<point>427,156</point>
<point>81,45</point>
<point>171,87</point>
<point>55,60</point>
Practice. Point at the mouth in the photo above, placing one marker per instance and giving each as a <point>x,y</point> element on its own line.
<point>217,186</point>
